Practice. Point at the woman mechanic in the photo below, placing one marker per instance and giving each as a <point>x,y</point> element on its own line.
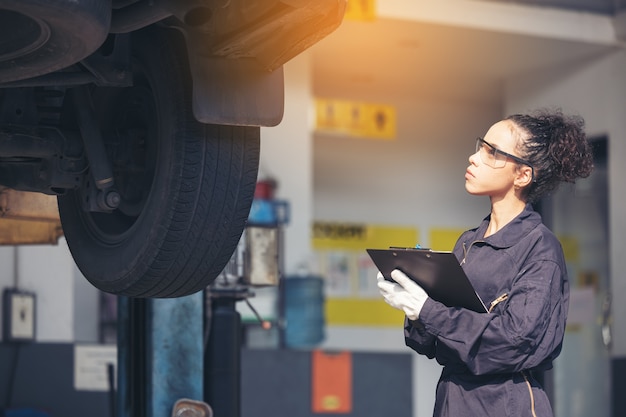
<point>516,266</point>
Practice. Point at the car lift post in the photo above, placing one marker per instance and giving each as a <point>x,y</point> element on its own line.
<point>160,356</point>
<point>222,374</point>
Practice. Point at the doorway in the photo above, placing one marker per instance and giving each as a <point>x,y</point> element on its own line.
<point>578,215</point>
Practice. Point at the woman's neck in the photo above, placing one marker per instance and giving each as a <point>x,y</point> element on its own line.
<point>502,212</point>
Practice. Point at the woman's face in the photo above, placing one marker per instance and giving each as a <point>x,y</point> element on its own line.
<point>481,177</point>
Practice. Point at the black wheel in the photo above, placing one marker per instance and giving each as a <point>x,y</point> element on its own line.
<point>41,36</point>
<point>186,187</point>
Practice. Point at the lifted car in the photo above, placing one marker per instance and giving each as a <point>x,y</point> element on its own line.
<point>143,118</point>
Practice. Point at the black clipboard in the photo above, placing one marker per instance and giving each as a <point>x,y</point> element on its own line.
<point>438,273</point>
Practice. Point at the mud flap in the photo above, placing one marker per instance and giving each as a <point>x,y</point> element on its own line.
<point>235,91</point>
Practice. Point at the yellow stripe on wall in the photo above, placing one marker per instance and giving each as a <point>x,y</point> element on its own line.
<point>443,239</point>
<point>359,236</point>
<point>361,312</point>
<point>571,248</point>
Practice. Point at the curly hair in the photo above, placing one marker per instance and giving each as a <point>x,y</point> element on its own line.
<point>557,147</point>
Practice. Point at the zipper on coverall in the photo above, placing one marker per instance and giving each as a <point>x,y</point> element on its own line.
<point>495,302</point>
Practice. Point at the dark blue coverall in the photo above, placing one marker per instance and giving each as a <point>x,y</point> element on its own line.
<point>489,358</point>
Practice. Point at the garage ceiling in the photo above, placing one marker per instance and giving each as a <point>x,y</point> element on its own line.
<point>386,57</point>
<point>608,7</point>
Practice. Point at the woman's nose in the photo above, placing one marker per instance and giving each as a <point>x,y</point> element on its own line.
<point>472,158</point>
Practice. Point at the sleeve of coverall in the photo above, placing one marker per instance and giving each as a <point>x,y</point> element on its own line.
<point>418,339</point>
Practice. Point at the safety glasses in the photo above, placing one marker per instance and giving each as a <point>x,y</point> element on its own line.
<point>496,158</point>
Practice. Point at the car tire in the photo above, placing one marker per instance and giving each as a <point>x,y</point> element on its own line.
<point>41,36</point>
<point>186,187</point>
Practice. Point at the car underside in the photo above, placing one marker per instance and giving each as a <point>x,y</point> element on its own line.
<point>142,118</point>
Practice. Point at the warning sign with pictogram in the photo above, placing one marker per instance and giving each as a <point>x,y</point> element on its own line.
<point>356,118</point>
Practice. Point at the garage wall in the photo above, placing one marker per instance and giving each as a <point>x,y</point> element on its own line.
<point>47,271</point>
<point>415,179</point>
<point>286,156</point>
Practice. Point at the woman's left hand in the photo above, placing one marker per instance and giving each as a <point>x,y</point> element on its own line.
<point>403,294</point>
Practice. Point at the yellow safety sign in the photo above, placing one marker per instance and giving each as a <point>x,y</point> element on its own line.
<point>356,118</point>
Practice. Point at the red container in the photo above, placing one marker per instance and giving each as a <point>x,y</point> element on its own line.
<point>265,189</point>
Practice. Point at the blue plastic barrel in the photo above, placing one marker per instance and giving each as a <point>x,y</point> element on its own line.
<point>304,311</point>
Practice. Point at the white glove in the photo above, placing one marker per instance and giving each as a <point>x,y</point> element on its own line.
<point>404,294</point>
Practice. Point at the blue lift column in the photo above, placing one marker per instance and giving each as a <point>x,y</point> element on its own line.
<point>160,356</point>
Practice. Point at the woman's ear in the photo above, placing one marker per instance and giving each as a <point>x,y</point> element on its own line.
<point>524,176</point>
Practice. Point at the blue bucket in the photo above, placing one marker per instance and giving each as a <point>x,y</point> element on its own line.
<point>304,311</point>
